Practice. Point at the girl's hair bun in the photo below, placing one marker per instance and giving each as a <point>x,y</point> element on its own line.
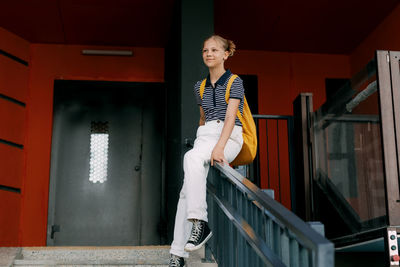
<point>228,45</point>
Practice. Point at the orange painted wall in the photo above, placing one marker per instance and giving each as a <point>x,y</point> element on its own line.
<point>384,37</point>
<point>281,77</point>
<point>13,84</point>
<point>50,62</point>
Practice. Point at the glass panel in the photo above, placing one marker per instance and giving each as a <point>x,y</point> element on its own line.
<point>348,153</point>
<point>98,152</point>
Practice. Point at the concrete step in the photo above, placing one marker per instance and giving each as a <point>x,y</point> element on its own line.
<point>143,256</point>
<point>7,255</point>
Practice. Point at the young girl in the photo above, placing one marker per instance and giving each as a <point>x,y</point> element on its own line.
<point>218,139</point>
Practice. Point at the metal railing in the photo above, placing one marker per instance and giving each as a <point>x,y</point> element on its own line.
<point>251,229</point>
<point>281,168</point>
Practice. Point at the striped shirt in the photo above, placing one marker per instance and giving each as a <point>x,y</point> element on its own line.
<point>213,102</point>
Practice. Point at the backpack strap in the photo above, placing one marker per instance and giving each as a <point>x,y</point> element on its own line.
<point>228,87</point>
<point>202,86</point>
<point>228,90</point>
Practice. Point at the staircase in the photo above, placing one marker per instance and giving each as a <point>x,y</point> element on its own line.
<point>143,256</point>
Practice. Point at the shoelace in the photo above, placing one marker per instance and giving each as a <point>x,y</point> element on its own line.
<point>196,231</point>
<point>174,261</point>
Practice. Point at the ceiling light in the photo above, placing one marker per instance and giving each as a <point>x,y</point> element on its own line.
<point>125,53</point>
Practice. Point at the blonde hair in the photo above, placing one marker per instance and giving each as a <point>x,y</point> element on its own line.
<point>228,45</point>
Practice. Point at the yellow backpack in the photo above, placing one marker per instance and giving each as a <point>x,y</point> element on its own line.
<point>249,148</point>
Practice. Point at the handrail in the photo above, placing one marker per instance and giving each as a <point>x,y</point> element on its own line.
<point>289,230</point>
<point>273,117</point>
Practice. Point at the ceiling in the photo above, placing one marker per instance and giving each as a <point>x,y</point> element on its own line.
<point>315,26</point>
<point>93,22</point>
<point>318,26</point>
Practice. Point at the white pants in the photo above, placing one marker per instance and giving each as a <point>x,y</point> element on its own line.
<point>196,163</point>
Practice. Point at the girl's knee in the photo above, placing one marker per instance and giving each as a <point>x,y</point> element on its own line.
<point>191,156</point>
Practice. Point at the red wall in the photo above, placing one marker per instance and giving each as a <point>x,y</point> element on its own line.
<point>385,37</point>
<point>50,62</point>
<point>281,77</point>
<point>13,84</point>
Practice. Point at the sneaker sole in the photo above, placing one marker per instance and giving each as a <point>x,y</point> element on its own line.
<point>199,245</point>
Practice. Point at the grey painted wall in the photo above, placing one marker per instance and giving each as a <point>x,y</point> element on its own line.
<point>197,24</point>
<point>194,21</point>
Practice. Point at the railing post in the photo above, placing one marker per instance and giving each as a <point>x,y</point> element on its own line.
<point>302,109</point>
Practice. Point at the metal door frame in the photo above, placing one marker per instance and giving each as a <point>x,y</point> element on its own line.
<point>163,213</point>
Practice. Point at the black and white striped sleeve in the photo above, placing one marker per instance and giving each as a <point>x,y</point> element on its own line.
<point>237,89</point>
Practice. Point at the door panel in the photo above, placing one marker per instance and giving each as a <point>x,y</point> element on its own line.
<point>117,211</point>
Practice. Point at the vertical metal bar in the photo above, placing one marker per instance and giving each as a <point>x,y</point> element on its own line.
<point>252,219</point>
<point>250,215</point>
<point>256,164</point>
<point>241,260</point>
<point>215,221</point>
<point>285,248</point>
<point>279,161</point>
<point>266,132</point>
<point>268,236</point>
<point>235,248</point>
<point>247,214</point>
<point>231,228</point>
<point>246,253</point>
<point>395,78</point>
<point>310,259</point>
<point>252,256</point>
<point>210,244</point>
<point>276,238</point>
<point>260,228</point>
<point>258,261</point>
<point>258,221</point>
<point>294,253</point>
<point>291,164</point>
<point>304,262</point>
<point>225,230</point>
<point>220,237</point>
<point>311,153</point>
<point>389,136</point>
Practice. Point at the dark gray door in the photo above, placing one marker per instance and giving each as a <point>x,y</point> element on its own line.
<point>106,164</point>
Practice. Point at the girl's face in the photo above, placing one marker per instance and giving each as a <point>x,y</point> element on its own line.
<point>214,53</point>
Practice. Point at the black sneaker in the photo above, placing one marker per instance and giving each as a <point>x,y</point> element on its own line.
<point>199,236</point>
<point>176,261</point>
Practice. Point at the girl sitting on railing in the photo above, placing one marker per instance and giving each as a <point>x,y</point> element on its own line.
<point>218,139</point>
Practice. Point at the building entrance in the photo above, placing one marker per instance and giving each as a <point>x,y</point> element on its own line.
<point>106,179</point>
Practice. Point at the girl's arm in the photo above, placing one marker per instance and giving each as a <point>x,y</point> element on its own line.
<point>230,117</point>
<point>202,119</point>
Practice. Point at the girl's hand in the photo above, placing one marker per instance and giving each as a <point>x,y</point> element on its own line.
<point>218,155</point>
